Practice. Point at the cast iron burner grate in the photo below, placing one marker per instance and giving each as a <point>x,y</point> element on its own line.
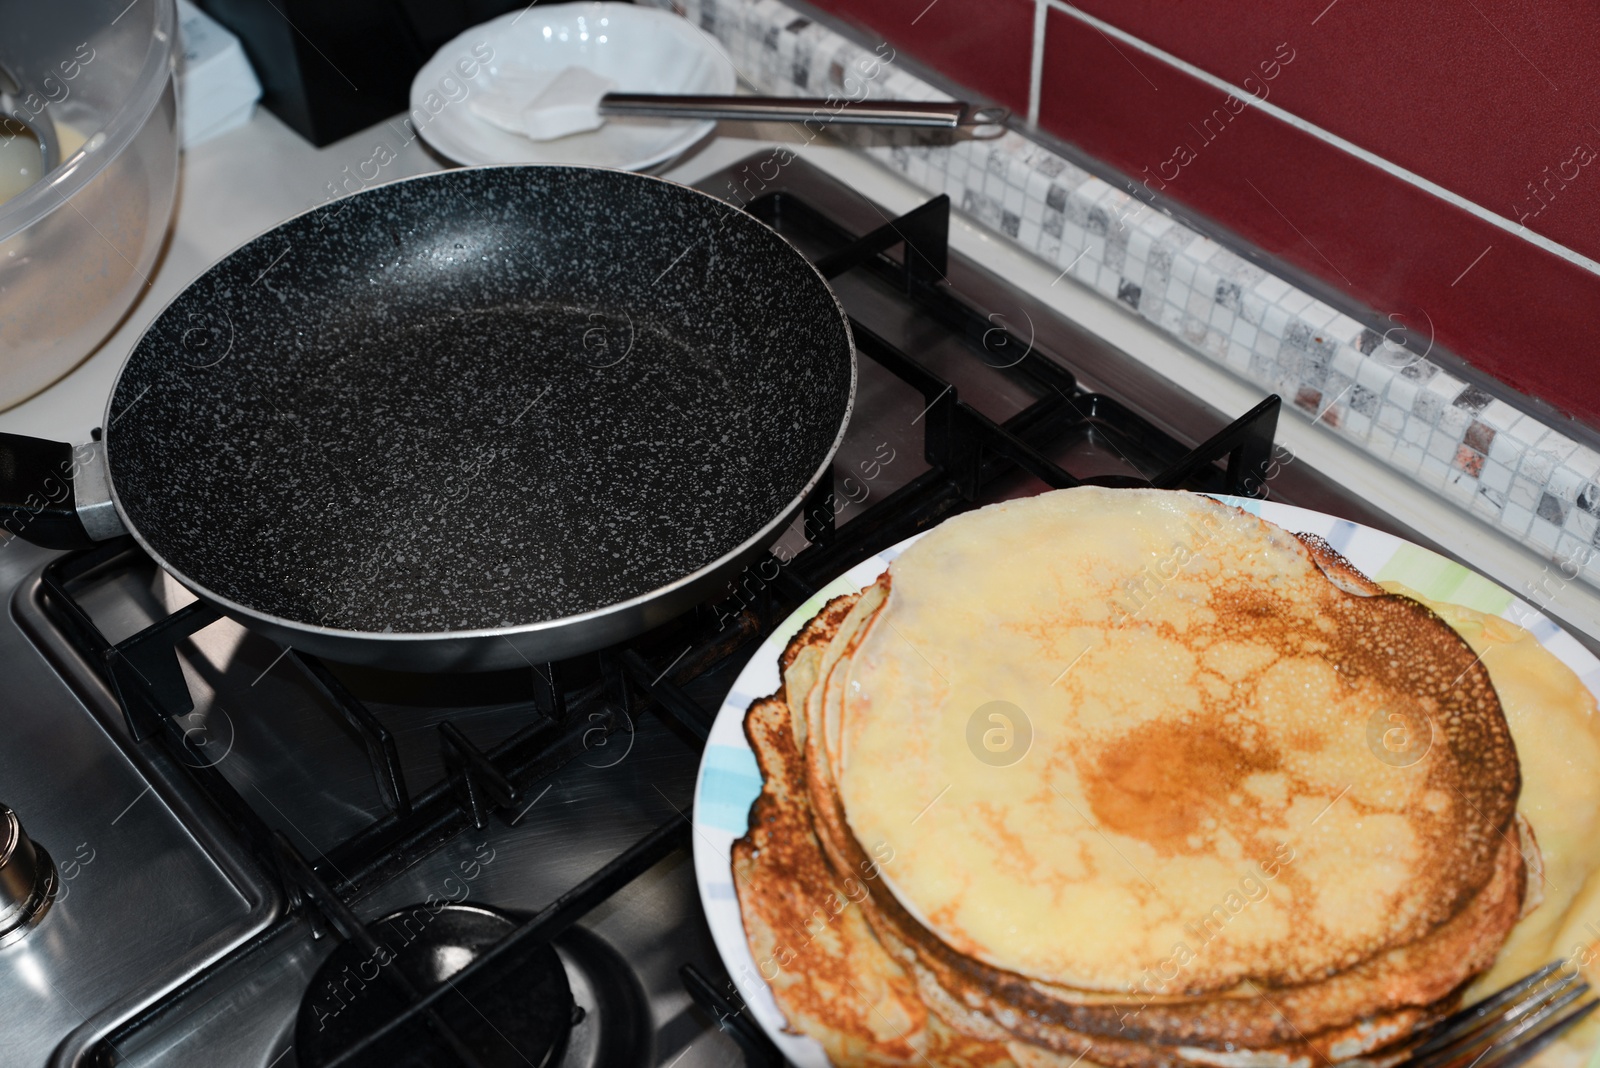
<point>967,454</point>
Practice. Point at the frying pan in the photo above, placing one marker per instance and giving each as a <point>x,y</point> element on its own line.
<point>465,420</point>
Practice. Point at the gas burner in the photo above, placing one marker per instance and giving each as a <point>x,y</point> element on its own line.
<point>27,879</point>
<point>614,1031</point>
<point>506,1020</point>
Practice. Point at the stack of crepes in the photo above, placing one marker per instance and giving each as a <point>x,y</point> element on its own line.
<point>1132,777</point>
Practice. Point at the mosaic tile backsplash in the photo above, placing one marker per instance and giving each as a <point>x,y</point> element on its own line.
<point>1507,468</point>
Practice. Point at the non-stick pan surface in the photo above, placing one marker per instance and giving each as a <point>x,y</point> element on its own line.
<point>483,415</point>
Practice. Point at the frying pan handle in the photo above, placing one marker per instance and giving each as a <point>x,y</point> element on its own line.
<point>55,495</point>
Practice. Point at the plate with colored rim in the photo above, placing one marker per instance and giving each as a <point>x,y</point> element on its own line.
<point>729,780</point>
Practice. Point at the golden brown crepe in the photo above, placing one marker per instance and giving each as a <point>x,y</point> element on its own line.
<point>1221,715</point>
<point>833,976</point>
<point>1259,662</point>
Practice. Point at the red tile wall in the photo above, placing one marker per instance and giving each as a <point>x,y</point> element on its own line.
<point>1478,95</point>
<point>1483,97</point>
<point>985,45</point>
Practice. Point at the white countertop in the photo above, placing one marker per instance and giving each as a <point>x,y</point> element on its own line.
<point>246,181</point>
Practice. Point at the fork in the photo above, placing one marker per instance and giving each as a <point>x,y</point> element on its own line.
<point>1508,1027</point>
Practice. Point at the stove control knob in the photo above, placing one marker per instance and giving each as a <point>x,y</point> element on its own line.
<point>27,879</point>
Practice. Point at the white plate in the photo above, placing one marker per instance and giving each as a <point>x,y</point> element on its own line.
<point>642,49</point>
<point>729,780</point>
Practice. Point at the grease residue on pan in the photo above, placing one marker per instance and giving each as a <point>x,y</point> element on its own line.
<point>479,399</point>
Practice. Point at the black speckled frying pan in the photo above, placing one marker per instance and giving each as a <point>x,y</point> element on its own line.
<point>465,419</point>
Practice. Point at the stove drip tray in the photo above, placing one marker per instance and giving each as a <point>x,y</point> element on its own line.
<point>512,1020</point>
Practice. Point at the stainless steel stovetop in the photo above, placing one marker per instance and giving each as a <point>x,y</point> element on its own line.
<point>170,942</point>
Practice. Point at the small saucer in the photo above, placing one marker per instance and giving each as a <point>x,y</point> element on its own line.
<point>642,49</point>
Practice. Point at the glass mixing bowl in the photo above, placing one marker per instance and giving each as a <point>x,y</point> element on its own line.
<point>76,247</point>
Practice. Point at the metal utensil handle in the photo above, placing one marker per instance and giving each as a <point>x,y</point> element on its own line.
<point>935,114</point>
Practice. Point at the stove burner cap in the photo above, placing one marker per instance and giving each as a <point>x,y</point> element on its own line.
<point>615,1031</point>
<point>513,1019</point>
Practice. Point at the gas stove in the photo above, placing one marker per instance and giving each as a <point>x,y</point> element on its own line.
<point>224,852</point>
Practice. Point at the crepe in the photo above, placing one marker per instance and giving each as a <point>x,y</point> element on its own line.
<point>1200,694</point>
<point>1194,590</point>
<point>836,981</point>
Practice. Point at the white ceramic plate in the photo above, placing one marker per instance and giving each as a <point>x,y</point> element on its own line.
<point>729,780</point>
<point>642,49</point>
